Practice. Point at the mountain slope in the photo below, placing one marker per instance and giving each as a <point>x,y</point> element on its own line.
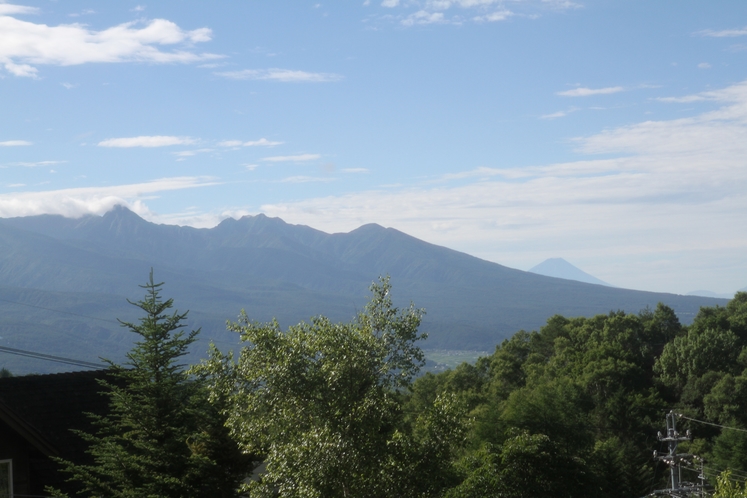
<point>274,269</point>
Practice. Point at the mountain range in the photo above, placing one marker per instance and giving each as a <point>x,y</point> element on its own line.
<point>66,281</point>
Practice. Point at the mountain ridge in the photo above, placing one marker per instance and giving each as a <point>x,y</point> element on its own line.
<point>292,272</point>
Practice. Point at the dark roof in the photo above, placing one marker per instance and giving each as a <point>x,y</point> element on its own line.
<point>44,408</point>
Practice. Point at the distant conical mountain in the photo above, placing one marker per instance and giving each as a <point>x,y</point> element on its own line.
<point>560,268</point>
<point>86,268</point>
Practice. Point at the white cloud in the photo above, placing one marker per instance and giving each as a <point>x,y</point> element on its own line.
<point>7,9</point>
<point>282,75</point>
<point>146,141</point>
<point>499,15</point>
<point>682,100</point>
<point>295,158</point>
<point>15,143</point>
<point>559,114</point>
<point>585,92</point>
<point>424,17</point>
<point>36,164</point>
<point>77,202</point>
<point>354,170</point>
<point>423,12</point>
<point>704,65</point>
<point>726,33</point>
<point>262,142</point>
<point>190,153</point>
<point>24,45</point>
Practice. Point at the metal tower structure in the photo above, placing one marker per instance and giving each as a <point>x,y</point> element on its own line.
<point>677,487</point>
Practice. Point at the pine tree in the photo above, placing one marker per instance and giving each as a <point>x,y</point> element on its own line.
<point>161,438</point>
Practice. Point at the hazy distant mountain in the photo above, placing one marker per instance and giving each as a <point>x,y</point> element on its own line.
<point>560,268</point>
<point>87,267</point>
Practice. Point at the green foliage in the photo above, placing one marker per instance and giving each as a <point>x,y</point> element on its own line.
<point>162,438</point>
<point>556,410</point>
<point>727,487</point>
<point>525,466</point>
<point>321,403</point>
<point>696,353</point>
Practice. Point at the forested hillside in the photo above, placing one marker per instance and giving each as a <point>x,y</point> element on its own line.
<point>574,408</point>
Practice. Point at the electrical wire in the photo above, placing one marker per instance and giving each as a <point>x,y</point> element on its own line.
<point>736,473</point>
<point>711,423</point>
<point>49,357</point>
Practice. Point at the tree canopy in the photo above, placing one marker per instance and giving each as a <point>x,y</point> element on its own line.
<point>161,438</point>
<point>322,404</point>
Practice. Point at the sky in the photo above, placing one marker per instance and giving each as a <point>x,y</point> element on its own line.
<point>609,133</point>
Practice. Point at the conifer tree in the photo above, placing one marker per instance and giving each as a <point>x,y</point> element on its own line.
<point>161,437</point>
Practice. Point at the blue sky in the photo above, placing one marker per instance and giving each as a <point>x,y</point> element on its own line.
<point>610,133</point>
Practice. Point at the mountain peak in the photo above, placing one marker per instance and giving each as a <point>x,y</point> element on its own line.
<point>560,268</point>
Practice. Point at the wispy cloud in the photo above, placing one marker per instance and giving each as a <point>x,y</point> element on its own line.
<point>182,154</point>
<point>730,94</point>
<point>724,33</point>
<point>7,9</point>
<point>294,158</point>
<point>262,142</point>
<point>15,143</point>
<point>77,202</point>
<point>499,15</point>
<point>354,170</point>
<point>424,17</point>
<point>282,75</point>
<point>306,179</point>
<point>586,92</point>
<point>665,181</point>
<point>146,141</point>
<point>25,45</point>
<point>36,164</point>
<point>421,12</point>
<point>559,114</point>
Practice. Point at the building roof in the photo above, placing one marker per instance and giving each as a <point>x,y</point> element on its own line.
<point>45,408</point>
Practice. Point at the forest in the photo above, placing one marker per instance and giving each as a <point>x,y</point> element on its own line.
<point>327,409</point>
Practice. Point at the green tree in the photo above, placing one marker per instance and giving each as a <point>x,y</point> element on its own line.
<point>524,466</point>
<point>162,439</point>
<point>321,403</point>
<point>728,487</point>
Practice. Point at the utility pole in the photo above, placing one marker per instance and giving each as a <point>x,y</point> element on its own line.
<point>677,487</point>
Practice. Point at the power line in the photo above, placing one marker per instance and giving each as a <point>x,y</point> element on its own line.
<point>711,423</point>
<point>58,311</point>
<point>49,357</point>
<point>735,473</point>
